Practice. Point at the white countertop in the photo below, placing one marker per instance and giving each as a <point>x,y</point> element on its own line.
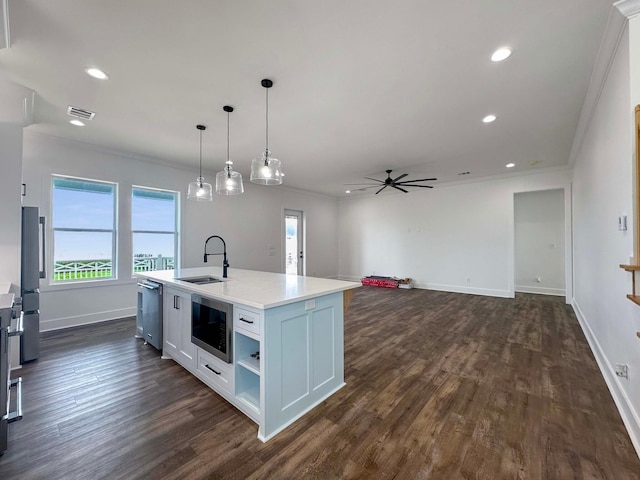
<point>6,300</point>
<point>261,290</point>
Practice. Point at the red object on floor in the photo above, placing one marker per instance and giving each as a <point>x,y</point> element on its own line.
<point>380,282</point>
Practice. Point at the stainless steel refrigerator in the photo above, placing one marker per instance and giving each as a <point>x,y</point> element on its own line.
<point>32,270</point>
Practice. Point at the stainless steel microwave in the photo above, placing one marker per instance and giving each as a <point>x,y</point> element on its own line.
<point>212,325</point>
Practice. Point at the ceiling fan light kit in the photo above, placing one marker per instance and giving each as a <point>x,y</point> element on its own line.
<point>199,190</point>
<point>229,182</point>
<point>393,183</point>
<point>266,170</point>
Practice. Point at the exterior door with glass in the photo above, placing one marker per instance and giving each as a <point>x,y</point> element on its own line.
<point>294,244</point>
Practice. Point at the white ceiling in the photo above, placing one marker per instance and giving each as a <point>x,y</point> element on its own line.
<point>359,85</point>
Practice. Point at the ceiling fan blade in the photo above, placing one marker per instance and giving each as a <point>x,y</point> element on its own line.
<point>419,186</point>
<point>376,184</point>
<point>420,180</point>
<point>374,179</point>
<point>401,189</point>
<point>381,189</point>
<point>401,176</point>
<point>364,188</point>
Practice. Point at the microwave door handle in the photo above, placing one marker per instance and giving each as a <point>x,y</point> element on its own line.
<point>43,272</point>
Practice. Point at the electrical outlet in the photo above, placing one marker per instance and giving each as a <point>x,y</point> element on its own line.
<point>538,280</point>
<point>309,304</point>
<point>622,370</point>
<point>468,280</point>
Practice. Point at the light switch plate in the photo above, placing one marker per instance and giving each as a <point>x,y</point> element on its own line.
<point>622,223</point>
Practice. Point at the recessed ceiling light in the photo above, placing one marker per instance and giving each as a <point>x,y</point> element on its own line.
<point>77,123</point>
<point>489,119</point>
<point>501,54</point>
<point>96,73</point>
<point>347,191</point>
<point>510,165</point>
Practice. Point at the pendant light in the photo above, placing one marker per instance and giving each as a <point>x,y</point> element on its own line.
<point>228,182</point>
<point>199,190</point>
<point>266,170</point>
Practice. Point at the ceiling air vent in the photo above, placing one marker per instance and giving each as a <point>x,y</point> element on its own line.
<point>80,113</point>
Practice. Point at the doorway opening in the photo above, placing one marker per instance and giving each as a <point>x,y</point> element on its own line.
<point>540,245</point>
<point>294,242</point>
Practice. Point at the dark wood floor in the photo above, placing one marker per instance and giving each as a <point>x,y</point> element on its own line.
<point>439,386</point>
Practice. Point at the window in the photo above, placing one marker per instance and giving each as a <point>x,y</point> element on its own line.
<point>154,229</point>
<point>84,229</point>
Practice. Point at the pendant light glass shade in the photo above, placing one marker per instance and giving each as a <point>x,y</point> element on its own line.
<point>266,170</point>
<point>229,182</point>
<point>199,190</point>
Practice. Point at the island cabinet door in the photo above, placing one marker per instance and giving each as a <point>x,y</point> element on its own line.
<point>170,324</point>
<point>178,338</point>
<point>304,359</point>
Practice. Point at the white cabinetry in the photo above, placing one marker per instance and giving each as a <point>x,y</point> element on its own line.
<point>248,360</point>
<point>177,328</point>
<point>215,371</point>
<point>287,352</point>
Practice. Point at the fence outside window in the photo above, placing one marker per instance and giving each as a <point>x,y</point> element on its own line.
<point>95,269</point>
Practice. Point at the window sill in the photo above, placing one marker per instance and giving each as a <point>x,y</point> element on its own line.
<point>112,282</point>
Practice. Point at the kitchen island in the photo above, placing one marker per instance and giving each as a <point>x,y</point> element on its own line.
<point>286,339</point>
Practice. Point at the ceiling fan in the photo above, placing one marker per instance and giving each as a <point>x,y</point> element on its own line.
<point>393,182</point>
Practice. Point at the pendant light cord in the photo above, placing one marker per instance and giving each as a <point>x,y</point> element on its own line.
<point>266,160</point>
<point>228,168</point>
<point>200,159</point>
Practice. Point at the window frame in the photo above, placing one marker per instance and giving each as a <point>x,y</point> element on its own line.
<point>114,231</point>
<point>176,226</point>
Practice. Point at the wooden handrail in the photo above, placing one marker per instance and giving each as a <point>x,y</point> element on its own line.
<point>630,268</point>
<point>633,269</point>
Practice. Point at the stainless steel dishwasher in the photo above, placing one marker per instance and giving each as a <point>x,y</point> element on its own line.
<point>150,312</point>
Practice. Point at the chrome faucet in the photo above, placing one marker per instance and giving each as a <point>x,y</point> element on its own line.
<point>225,262</point>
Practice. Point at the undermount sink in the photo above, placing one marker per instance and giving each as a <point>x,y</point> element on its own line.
<point>204,280</point>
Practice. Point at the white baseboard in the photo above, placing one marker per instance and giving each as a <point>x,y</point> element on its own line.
<point>348,278</point>
<point>559,292</point>
<point>628,413</point>
<point>489,292</point>
<point>67,322</point>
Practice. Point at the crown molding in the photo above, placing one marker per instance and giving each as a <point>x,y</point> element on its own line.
<point>609,44</point>
<point>628,8</point>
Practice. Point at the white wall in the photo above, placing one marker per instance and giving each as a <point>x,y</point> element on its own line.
<point>456,237</point>
<point>10,188</point>
<point>15,101</point>
<point>602,182</point>
<point>251,224</point>
<point>539,242</point>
